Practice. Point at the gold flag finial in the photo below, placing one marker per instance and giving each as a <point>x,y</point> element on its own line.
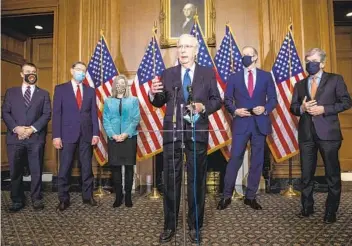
<point>101,32</point>
<point>155,28</point>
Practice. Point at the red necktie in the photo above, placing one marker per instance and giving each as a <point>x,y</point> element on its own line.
<point>250,83</point>
<point>79,97</point>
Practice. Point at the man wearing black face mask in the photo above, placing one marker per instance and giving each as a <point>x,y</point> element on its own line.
<point>318,99</point>
<point>250,97</point>
<point>26,112</point>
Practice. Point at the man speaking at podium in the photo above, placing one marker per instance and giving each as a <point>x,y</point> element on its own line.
<point>175,88</point>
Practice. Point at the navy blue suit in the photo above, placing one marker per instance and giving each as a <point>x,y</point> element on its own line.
<point>76,128</point>
<point>253,128</point>
<point>205,91</point>
<point>37,114</point>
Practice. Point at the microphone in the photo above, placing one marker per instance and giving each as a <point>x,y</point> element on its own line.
<point>190,95</point>
<point>175,106</point>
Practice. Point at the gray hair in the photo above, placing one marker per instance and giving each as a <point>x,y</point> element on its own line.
<point>318,51</point>
<point>192,6</point>
<point>254,49</point>
<point>195,41</point>
<point>114,83</point>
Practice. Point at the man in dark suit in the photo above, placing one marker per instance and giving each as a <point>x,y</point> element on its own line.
<point>318,99</point>
<point>179,81</point>
<point>26,111</point>
<point>250,97</point>
<point>75,125</point>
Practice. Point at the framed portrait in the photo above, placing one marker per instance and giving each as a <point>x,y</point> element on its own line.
<point>176,18</point>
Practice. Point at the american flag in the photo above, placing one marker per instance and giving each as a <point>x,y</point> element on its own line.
<point>100,73</point>
<point>219,124</point>
<point>287,71</point>
<point>228,60</point>
<point>150,140</point>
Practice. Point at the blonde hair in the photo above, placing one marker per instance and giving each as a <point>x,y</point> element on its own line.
<point>114,83</point>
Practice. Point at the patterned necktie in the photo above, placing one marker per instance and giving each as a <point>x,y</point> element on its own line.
<point>79,97</point>
<point>250,83</point>
<point>27,96</point>
<point>313,88</point>
<point>186,83</point>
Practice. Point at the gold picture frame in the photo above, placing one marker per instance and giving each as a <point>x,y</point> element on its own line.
<point>173,20</point>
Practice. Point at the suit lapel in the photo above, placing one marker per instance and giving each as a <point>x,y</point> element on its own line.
<point>85,95</point>
<point>243,85</point>
<point>34,97</point>
<point>177,81</point>
<point>197,78</point>
<point>71,94</point>
<point>306,88</point>
<point>323,80</point>
<point>256,84</point>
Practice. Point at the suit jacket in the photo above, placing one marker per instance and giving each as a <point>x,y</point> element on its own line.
<point>69,122</point>
<point>114,124</point>
<point>333,95</point>
<point>237,96</point>
<point>205,91</point>
<point>37,114</point>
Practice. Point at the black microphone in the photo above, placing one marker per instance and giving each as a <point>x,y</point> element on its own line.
<point>175,106</point>
<point>190,95</point>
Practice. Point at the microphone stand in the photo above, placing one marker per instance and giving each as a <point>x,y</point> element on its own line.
<point>183,171</point>
<point>174,138</point>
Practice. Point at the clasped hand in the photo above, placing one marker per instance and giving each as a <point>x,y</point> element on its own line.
<point>120,138</point>
<point>311,107</point>
<point>23,132</point>
<point>243,112</point>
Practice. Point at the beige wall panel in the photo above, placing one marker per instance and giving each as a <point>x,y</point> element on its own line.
<point>13,45</point>
<point>10,76</point>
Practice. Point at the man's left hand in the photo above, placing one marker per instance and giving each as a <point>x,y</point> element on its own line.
<point>27,133</point>
<point>316,110</point>
<point>95,140</point>
<point>258,110</point>
<point>197,107</point>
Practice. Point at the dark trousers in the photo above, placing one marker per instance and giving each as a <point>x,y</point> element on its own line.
<point>16,155</point>
<point>308,154</point>
<point>172,183</point>
<point>239,144</point>
<point>66,160</point>
<point>117,179</point>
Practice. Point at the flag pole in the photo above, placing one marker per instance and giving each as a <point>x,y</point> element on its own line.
<point>154,195</point>
<point>100,192</point>
<point>235,195</point>
<point>290,191</point>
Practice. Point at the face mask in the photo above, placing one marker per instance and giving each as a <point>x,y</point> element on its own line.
<point>30,78</point>
<point>79,76</point>
<point>247,61</point>
<point>313,67</point>
<point>121,89</point>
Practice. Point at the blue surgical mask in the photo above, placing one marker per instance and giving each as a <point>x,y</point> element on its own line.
<point>313,67</point>
<point>79,76</point>
<point>247,61</point>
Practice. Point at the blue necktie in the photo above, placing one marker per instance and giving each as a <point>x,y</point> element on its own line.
<point>186,83</point>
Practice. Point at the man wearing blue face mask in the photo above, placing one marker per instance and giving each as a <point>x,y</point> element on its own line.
<point>75,126</point>
<point>250,97</point>
<point>318,99</point>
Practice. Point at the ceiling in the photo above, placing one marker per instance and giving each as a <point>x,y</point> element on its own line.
<point>341,8</point>
<point>23,26</point>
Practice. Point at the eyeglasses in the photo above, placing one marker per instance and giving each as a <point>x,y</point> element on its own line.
<point>185,46</point>
<point>79,69</point>
<point>306,61</point>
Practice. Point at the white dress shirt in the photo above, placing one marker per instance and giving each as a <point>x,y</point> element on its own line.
<point>75,87</point>
<point>254,72</point>
<point>190,73</point>
<point>24,88</point>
